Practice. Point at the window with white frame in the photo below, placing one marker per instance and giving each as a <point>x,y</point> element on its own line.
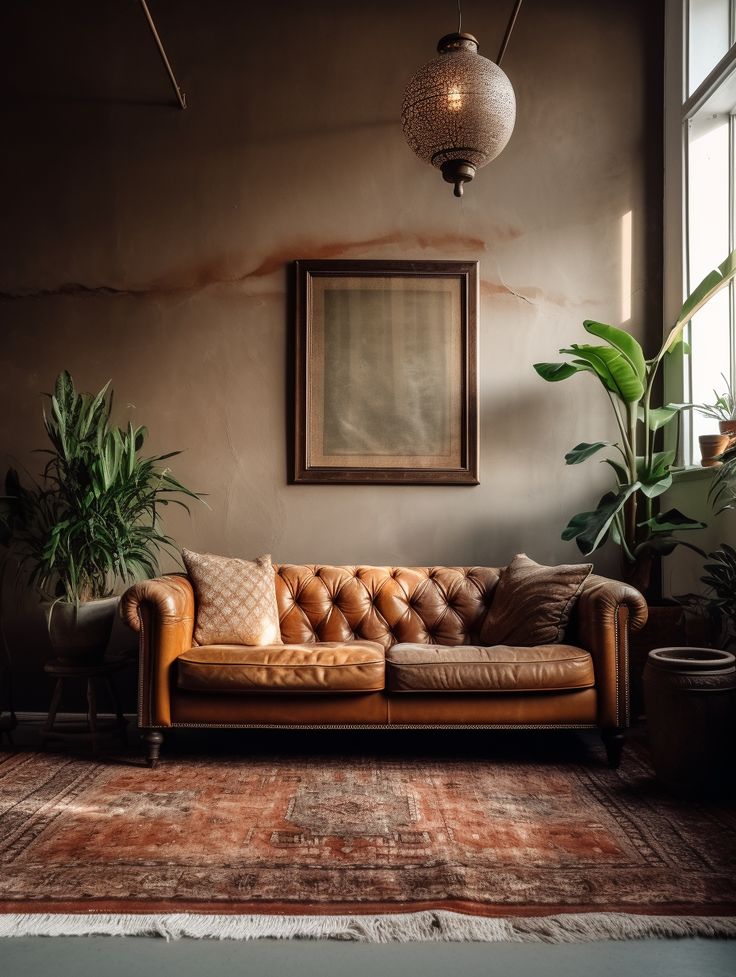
<point>707,105</point>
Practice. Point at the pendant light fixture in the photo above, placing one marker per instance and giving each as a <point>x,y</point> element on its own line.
<point>459,109</point>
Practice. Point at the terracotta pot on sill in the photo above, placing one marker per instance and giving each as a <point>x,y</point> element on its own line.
<point>711,446</point>
<point>729,429</point>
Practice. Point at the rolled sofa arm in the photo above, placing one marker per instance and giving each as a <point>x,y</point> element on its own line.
<point>162,611</point>
<point>606,611</point>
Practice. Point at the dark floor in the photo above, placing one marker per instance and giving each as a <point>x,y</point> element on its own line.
<point>116,957</point>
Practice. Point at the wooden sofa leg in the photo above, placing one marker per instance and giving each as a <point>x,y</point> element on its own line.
<point>613,740</point>
<point>154,738</point>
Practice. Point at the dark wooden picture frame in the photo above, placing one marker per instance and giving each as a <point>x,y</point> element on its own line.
<point>386,387</point>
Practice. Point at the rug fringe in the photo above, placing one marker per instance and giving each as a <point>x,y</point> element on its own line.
<point>429,925</point>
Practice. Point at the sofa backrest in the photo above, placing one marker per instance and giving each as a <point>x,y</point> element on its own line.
<point>428,605</point>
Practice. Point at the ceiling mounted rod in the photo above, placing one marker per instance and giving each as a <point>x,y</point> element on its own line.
<point>180,96</point>
<point>507,35</point>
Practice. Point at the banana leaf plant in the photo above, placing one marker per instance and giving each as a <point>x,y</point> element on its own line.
<point>641,473</point>
<point>94,514</point>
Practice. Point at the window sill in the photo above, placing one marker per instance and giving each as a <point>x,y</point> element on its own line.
<point>693,473</point>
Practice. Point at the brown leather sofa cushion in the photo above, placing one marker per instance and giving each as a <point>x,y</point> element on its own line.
<point>433,668</point>
<point>532,603</point>
<point>330,666</point>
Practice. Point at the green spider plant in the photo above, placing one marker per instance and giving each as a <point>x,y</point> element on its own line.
<point>94,515</point>
<point>641,473</point>
<point>723,407</point>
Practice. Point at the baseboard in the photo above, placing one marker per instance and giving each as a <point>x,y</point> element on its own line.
<point>72,717</point>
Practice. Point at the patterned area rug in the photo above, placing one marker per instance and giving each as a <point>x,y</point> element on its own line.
<point>329,834</point>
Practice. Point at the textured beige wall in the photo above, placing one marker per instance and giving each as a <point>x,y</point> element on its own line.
<point>152,246</point>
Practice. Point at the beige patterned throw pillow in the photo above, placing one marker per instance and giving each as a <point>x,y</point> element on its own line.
<point>235,600</point>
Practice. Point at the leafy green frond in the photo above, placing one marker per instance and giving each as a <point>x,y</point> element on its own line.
<point>94,515</point>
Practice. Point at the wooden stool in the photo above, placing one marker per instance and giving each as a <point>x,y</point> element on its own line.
<point>94,727</point>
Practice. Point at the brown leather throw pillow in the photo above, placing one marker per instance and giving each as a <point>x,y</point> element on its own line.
<point>532,603</point>
<point>235,600</point>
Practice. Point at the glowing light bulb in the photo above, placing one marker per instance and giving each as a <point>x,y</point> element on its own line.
<point>454,100</point>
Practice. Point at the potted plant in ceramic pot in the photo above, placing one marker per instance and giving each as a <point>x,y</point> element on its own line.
<point>642,468</point>
<point>92,519</point>
<point>723,410</point>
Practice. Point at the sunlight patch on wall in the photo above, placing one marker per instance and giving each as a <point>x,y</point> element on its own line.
<point>626,259</point>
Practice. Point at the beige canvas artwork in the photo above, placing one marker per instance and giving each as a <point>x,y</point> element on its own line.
<point>386,386</point>
<point>386,371</point>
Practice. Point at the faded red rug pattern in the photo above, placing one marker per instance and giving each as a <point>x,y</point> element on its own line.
<point>350,834</point>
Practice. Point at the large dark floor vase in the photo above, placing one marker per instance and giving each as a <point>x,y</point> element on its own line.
<point>691,714</point>
<point>552,849</point>
<point>79,633</point>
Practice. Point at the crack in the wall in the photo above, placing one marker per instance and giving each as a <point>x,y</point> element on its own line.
<point>518,295</point>
<point>69,288</point>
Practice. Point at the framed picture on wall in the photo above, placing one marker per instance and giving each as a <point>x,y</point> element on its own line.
<point>386,375</point>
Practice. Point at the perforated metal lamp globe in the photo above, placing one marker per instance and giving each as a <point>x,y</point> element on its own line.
<point>459,110</point>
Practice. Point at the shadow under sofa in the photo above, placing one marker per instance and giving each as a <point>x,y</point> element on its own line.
<point>384,647</point>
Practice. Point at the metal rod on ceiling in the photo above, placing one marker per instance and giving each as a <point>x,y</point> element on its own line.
<point>180,96</point>
<point>507,35</point>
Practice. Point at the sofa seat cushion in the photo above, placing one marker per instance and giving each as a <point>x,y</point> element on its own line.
<point>472,668</point>
<point>327,666</point>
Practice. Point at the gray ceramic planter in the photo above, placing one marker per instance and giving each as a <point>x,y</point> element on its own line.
<point>80,633</point>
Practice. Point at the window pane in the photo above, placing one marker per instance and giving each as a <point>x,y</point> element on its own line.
<point>711,357</point>
<point>707,194</point>
<point>708,244</point>
<point>709,38</point>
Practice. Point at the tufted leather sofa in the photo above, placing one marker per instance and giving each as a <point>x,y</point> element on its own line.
<point>384,647</point>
